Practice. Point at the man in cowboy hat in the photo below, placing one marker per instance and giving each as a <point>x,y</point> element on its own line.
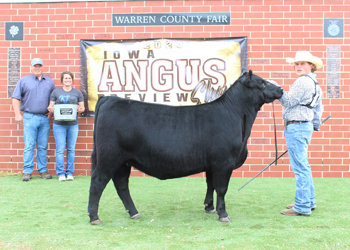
<point>302,115</point>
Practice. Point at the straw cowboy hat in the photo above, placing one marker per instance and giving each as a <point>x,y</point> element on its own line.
<point>305,56</point>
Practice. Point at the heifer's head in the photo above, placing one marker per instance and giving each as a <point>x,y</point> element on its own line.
<point>264,91</point>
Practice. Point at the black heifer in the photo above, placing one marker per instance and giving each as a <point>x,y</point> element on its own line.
<point>171,142</point>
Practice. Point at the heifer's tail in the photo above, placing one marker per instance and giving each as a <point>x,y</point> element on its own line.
<point>100,101</point>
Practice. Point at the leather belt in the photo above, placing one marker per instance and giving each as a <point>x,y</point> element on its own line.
<point>293,122</point>
<point>33,113</point>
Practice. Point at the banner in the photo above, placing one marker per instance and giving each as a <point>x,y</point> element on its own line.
<point>165,71</point>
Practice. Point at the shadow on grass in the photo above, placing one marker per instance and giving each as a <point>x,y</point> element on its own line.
<point>47,214</point>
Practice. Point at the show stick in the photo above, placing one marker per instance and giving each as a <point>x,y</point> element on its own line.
<point>275,160</point>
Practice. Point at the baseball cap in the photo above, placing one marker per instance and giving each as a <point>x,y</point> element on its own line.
<point>36,61</point>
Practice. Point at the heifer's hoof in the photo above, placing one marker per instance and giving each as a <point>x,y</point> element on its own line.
<point>225,219</point>
<point>136,216</point>
<point>210,211</point>
<point>96,222</point>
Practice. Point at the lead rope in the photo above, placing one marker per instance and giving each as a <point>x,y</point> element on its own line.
<point>274,122</point>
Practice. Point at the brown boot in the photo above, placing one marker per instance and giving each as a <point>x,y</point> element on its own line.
<point>45,175</point>
<point>292,205</point>
<point>291,212</point>
<point>26,177</point>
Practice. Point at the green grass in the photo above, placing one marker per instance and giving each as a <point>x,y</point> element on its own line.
<point>47,214</point>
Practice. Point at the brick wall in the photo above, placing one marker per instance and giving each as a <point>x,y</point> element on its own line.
<point>275,30</point>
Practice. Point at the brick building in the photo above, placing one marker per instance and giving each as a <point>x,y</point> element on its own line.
<point>276,29</point>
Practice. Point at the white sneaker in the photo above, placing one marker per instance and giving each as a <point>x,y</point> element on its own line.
<point>62,178</point>
<point>70,178</point>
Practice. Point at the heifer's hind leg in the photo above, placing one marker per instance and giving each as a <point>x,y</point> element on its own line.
<point>121,183</point>
<point>98,183</point>
<point>209,200</point>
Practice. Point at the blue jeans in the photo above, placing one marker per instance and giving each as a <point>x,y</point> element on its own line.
<point>36,129</point>
<point>298,137</point>
<point>63,134</point>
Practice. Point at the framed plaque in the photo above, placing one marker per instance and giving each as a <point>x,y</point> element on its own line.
<point>14,31</point>
<point>333,27</point>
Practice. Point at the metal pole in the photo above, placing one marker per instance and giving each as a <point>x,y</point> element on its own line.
<point>275,160</point>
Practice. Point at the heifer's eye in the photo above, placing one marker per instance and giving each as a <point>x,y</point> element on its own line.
<point>263,86</point>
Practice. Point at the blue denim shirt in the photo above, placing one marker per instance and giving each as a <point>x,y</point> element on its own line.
<point>34,94</point>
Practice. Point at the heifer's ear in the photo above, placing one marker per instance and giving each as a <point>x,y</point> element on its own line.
<point>248,79</point>
<point>250,74</point>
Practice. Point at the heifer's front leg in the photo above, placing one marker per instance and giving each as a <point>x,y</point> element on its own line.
<point>209,200</point>
<point>98,184</point>
<point>221,184</point>
<point>121,183</point>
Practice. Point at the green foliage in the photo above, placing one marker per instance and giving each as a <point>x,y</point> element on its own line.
<point>47,214</point>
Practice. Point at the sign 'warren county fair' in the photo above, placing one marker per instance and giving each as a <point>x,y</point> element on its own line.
<point>154,19</point>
